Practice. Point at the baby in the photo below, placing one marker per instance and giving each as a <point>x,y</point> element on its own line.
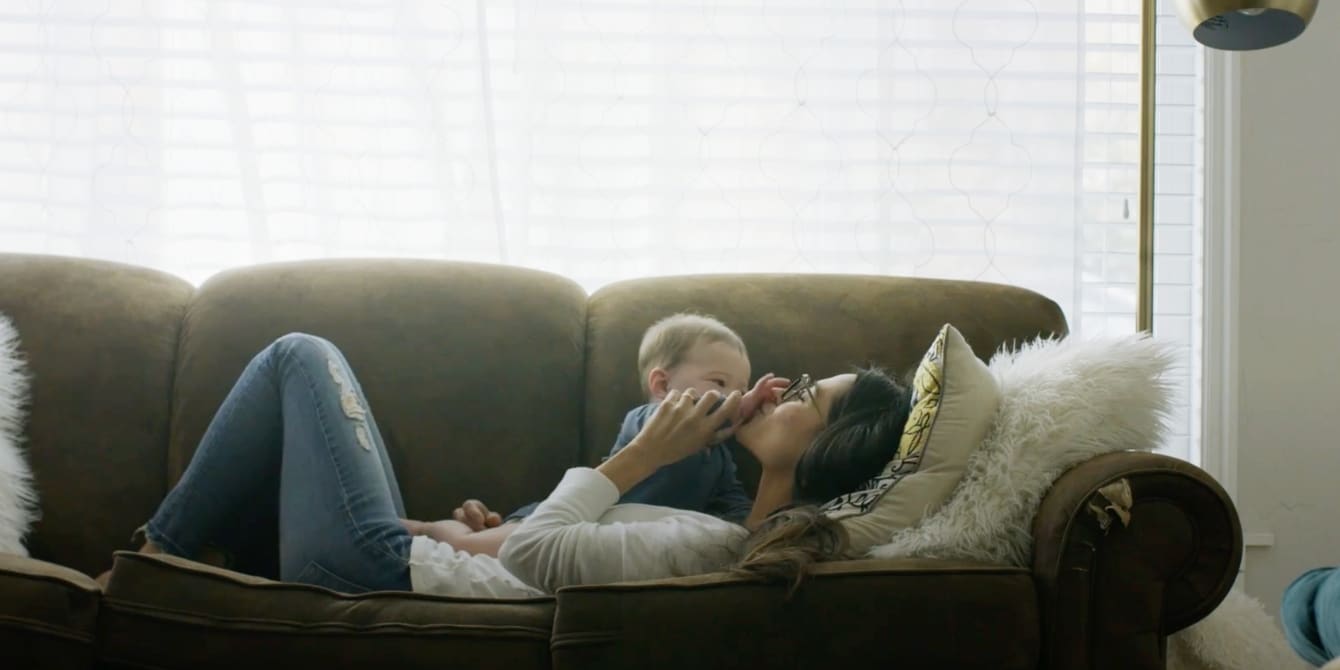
<point>679,352</point>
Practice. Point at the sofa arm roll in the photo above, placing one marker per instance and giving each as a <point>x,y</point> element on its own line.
<point>1129,548</point>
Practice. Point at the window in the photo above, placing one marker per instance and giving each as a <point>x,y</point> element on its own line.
<point>984,139</point>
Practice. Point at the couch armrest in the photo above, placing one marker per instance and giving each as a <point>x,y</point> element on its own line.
<point>1109,591</point>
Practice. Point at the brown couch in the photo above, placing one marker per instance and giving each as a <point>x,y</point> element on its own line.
<point>490,381</point>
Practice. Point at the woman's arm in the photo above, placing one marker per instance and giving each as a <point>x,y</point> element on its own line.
<point>460,536</point>
<point>562,543</point>
<point>629,467</point>
<point>681,426</point>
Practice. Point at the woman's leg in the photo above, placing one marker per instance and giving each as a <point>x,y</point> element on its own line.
<point>339,505</point>
<point>233,474</point>
<point>291,422</point>
<point>259,555</point>
<point>376,434</point>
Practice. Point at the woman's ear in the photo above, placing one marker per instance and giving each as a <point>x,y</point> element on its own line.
<point>658,382</point>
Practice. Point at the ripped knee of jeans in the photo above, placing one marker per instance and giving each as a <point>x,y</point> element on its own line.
<point>350,403</point>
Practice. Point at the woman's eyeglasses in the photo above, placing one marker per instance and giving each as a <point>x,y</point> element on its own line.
<point>797,389</point>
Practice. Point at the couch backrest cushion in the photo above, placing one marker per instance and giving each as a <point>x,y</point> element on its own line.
<point>473,372</point>
<point>99,339</point>
<point>820,324</point>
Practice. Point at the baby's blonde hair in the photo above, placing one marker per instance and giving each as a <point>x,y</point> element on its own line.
<point>667,341</point>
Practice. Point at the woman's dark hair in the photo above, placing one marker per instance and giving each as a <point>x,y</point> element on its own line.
<point>861,436</point>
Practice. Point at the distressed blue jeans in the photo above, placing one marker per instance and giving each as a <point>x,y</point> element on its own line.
<point>294,439</point>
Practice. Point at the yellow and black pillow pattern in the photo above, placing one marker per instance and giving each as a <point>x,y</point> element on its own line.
<point>954,399</point>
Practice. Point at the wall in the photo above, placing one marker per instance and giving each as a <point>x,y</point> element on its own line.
<point>1289,306</point>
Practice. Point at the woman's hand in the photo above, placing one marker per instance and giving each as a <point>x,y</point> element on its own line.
<point>681,426</point>
<point>685,424</point>
<point>476,515</point>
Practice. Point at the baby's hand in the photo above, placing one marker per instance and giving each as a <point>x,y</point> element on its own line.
<point>766,388</point>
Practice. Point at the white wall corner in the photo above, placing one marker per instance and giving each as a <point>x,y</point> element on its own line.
<point>1219,450</point>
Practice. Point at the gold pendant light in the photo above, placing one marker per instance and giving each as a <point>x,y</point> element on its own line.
<point>1239,25</point>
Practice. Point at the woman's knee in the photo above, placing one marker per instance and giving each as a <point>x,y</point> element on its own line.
<point>301,344</point>
<point>304,349</point>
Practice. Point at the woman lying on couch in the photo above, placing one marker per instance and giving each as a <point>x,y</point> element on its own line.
<point>297,418</point>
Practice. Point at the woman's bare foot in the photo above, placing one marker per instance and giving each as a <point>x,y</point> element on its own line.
<point>148,548</point>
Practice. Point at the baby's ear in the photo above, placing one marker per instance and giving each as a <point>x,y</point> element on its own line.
<point>658,383</point>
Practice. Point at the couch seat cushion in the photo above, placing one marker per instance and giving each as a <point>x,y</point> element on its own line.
<point>202,617</point>
<point>910,614</point>
<point>48,615</point>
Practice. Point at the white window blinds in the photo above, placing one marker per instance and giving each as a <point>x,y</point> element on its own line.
<point>976,139</point>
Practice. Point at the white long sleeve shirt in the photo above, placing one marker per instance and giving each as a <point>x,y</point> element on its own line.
<point>579,535</point>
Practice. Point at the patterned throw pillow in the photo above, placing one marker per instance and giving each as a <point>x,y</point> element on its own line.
<point>954,398</point>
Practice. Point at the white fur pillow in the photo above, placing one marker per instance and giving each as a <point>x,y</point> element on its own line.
<point>18,500</point>
<point>1062,402</point>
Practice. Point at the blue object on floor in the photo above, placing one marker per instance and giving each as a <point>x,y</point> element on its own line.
<point>1310,615</point>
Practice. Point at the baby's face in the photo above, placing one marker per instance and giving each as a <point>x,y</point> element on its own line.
<point>711,365</point>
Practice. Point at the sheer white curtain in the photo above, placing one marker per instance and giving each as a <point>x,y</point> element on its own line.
<point>600,139</point>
